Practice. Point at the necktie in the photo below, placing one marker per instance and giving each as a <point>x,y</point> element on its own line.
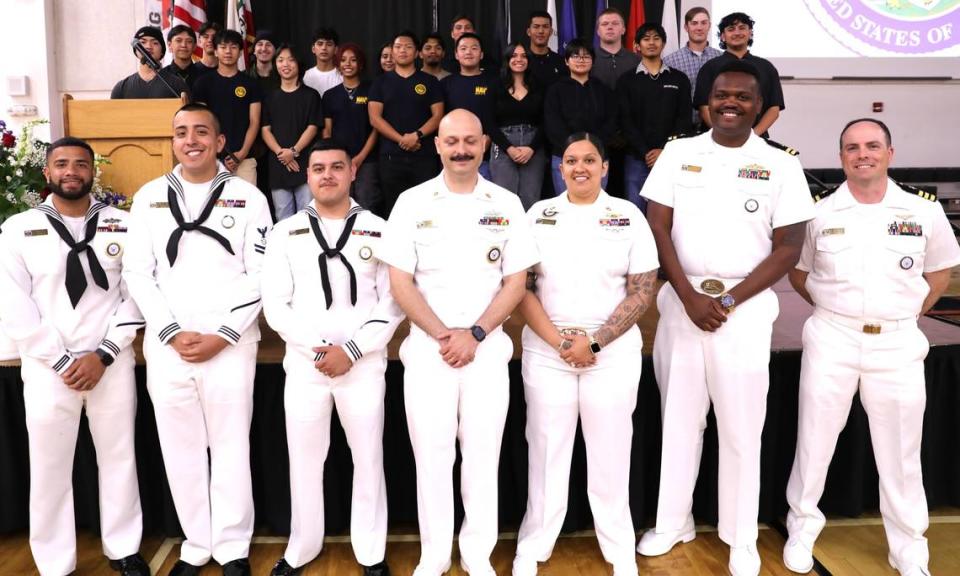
<point>331,253</point>
<point>76,279</point>
<point>173,244</point>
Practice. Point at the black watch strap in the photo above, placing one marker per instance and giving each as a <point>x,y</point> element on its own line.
<point>105,358</point>
<point>478,332</point>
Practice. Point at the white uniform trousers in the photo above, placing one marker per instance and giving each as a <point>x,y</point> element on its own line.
<point>309,399</point>
<point>887,369</point>
<point>729,367</point>
<point>603,397</point>
<point>445,405</point>
<point>53,421</point>
<point>201,406</point>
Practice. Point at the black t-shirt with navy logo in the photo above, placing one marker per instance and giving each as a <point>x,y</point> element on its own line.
<point>230,98</point>
<point>347,111</point>
<point>406,106</point>
<point>473,93</point>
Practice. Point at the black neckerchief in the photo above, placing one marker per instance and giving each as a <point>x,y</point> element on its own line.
<point>76,280</point>
<point>174,186</point>
<point>328,252</point>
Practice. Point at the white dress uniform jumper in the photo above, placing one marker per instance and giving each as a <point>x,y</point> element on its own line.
<point>193,264</point>
<point>63,297</point>
<point>323,284</point>
<point>865,265</point>
<point>458,248</point>
<point>726,203</point>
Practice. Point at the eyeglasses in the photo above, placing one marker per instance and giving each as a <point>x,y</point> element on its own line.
<point>582,57</point>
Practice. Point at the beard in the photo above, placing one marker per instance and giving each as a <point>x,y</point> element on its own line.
<point>74,195</point>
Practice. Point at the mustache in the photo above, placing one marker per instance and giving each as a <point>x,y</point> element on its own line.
<point>462,157</point>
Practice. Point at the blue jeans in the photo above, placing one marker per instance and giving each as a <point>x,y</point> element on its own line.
<point>524,180</point>
<point>287,202</point>
<point>559,186</point>
<point>635,173</point>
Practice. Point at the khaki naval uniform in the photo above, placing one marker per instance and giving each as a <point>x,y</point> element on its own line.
<point>726,203</point>
<point>340,295</point>
<point>458,248</point>
<point>586,253</point>
<point>865,265</point>
<point>202,276</point>
<point>51,332</point>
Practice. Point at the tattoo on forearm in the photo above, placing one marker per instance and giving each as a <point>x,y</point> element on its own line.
<point>640,290</point>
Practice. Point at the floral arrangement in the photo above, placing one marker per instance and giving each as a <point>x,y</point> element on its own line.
<point>22,183</point>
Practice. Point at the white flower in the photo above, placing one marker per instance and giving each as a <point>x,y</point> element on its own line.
<point>9,178</point>
<point>19,173</point>
<point>11,198</point>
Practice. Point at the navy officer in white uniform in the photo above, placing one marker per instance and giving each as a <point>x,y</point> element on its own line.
<point>582,355</point>
<point>876,257</point>
<point>327,294</point>
<point>67,308</point>
<point>197,239</point>
<point>459,249</point>
<point>727,209</point>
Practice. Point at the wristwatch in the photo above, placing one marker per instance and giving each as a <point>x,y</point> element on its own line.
<point>478,333</point>
<point>595,346</point>
<point>419,134</point>
<point>105,358</point>
<point>727,301</point>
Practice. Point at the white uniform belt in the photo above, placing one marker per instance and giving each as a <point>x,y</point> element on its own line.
<point>713,285</point>
<point>865,325</point>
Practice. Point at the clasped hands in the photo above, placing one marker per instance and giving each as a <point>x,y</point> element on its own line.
<point>575,351</point>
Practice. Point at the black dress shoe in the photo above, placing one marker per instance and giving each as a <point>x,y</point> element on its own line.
<point>238,567</point>
<point>132,565</point>
<point>182,568</point>
<point>378,569</point>
<point>281,568</point>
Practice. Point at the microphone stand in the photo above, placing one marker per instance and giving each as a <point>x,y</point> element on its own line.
<point>147,59</point>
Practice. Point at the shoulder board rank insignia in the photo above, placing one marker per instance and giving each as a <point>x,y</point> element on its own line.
<point>926,195</point>
<point>679,136</point>
<point>821,194</point>
<point>785,148</point>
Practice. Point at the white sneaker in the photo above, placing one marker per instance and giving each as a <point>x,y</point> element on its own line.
<point>654,543</point>
<point>744,560</point>
<point>478,570</point>
<point>625,570</point>
<point>523,566</point>
<point>797,557</point>
<point>422,570</point>
<point>911,570</point>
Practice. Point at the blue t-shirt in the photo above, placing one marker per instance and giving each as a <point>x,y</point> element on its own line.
<point>348,115</point>
<point>406,106</point>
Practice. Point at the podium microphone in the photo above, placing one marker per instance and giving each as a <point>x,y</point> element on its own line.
<point>147,59</point>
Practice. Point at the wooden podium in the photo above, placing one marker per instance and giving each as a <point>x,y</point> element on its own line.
<point>134,135</point>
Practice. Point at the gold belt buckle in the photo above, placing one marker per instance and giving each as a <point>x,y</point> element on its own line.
<point>712,286</point>
<point>573,332</point>
<point>871,328</point>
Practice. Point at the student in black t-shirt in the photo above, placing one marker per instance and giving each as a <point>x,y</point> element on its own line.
<point>346,120</point>
<point>405,108</point>
<point>736,38</point>
<point>291,121</point>
<point>236,100</point>
<point>470,88</point>
<point>545,65</point>
<point>517,156</point>
<point>146,82</point>
<point>182,41</point>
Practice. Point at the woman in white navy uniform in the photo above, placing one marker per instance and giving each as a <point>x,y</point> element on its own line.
<point>582,355</point>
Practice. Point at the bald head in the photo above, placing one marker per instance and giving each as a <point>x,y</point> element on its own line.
<point>460,120</point>
<point>460,143</point>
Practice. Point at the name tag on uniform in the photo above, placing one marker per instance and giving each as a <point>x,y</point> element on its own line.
<point>690,168</point>
<point>547,221</point>
<point>424,224</point>
<point>832,231</point>
<point>299,231</point>
<point>904,229</point>
<point>370,233</point>
<point>38,232</point>
<point>159,204</point>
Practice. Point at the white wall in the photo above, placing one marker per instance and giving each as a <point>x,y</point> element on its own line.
<point>26,50</point>
<point>923,117</point>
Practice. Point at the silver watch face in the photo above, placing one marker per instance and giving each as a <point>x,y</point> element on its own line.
<point>727,301</point>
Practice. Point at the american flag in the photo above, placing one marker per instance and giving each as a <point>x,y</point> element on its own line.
<point>192,13</point>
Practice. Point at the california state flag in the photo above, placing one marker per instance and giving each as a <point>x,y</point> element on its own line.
<point>240,18</point>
